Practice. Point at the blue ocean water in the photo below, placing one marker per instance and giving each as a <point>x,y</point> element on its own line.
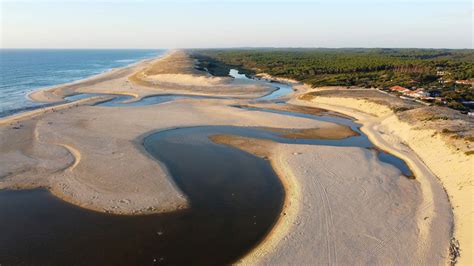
<point>26,70</point>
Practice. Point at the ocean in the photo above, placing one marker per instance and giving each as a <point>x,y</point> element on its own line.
<point>25,70</point>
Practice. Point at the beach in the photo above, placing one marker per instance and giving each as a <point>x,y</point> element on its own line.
<point>446,157</point>
<point>342,203</point>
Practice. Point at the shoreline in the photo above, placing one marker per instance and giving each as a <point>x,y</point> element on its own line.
<point>290,209</point>
<point>17,117</point>
<point>31,95</point>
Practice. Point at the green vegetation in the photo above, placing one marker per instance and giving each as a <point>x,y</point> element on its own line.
<point>401,109</point>
<point>434,118</point>
<point>370,68</point>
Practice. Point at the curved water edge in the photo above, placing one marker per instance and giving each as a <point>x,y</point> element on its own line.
<point>282,89</point>
<point>127,101</point>
<point>361,140</point>
<point>235,199</point>
<point>285,89</point>
<point>123,100</point>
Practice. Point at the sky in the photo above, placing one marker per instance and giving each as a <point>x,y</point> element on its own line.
<point>212,24</point>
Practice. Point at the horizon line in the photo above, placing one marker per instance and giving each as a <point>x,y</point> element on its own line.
<point>235,47</point>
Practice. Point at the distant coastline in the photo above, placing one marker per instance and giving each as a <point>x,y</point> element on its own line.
<point>25,71</point>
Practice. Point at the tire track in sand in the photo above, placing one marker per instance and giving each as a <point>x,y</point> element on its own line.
<point>329,222</point>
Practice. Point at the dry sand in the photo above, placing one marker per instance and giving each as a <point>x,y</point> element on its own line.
<point>342,204</point>
<point>177,72</point>
<point>318,225</point>
<point>334,132</point>
<point>444,156</point>
<point>106,168</point>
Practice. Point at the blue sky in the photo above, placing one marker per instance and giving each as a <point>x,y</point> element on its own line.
<point>245,23</point>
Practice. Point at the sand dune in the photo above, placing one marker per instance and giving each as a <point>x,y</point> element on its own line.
<point>448,162</point>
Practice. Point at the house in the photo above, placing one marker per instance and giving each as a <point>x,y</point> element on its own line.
<point>410,94</point>
<point>419,93</point>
